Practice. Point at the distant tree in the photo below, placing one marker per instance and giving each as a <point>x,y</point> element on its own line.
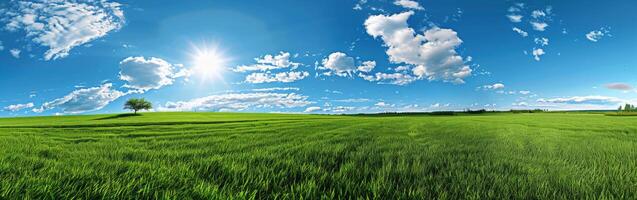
<point>138,104</point>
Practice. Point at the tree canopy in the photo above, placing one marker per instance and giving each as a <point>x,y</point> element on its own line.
<point>627,108</point>
<point>138,104</point>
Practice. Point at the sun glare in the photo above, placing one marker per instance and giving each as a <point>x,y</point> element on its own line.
<point>208,63</point>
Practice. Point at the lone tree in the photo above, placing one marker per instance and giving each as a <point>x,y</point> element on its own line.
<point>138,104</point>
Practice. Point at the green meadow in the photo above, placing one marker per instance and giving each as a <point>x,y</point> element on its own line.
<point>285,156</point>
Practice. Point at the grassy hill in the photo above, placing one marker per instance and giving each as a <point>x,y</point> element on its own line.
<point>283,156</point>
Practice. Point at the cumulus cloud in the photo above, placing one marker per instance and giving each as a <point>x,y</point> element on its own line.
<point>584,100</point>
<point>515,18</point>
<point>269,62</point>
<point>18,107</point>
<point>15,53</point>
<point>402,68</point>
<point>389,78</point>
<point>238,102</point>
<point>496,86</point>
<point>312,109</point>
<point>339,109</point>
<point>520,31</point>
<point>539,26</point>
<point>272,62</point>
<point>62,25</point>
<point>619,86</point>
<point>84,100</point>
<point>338,63</point>
<point>596,35</point>
<point>367,66</point>
<point>285,77</point>
<point>433,54</point>
<point>153,73</point>
<point>514,15</point>
<point>409,4</point>
<point>537,53</point>
<point>538,14</point>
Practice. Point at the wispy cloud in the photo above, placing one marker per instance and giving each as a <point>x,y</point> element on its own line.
<point>62,25</point>
<point>239,102</point>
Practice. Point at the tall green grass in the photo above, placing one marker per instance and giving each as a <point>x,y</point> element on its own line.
<point>277,156</point>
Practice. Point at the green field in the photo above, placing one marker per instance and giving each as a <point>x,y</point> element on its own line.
<point>281,156</point>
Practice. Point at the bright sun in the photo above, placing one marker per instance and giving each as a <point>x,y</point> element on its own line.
<point>209,63</point>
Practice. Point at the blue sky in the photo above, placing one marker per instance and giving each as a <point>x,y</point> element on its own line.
<point>332,56</point>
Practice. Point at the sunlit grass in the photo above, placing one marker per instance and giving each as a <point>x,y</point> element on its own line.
<point>270,156</point>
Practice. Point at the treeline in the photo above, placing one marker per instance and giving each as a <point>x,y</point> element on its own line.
<point>446,113</point>
<point>529,111</point>
<point>627,108</point>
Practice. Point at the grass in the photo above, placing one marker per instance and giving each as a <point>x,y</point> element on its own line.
<point>621,114</point>
<point>280,156</point>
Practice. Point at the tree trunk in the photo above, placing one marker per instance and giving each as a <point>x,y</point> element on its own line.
<point>135,112</point>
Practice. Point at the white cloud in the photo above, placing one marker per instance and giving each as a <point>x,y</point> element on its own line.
<point>619,86</point>
<point>389,78</point>
<point>539,26</point>
<point>402,68</point>
<point>596,35</point>
<point>62,25</point>
<point>357,100</point>
<point>514,9</point>
<point>15,53</point>
<point>521,104</point>
<point>538,13</point>
<point>584,100</point>
<point>339,64</point>
<point>84,100</point>
<point>537,53</point>
<point>339,109</point>
<point>520,31</point>
<point>285,77</point>
<point>359,5</point>
<point>541,41</point>
<point>276,89</point>
<point>272,62</point>
<point>433,53</point>
<point>383,104</point>
<point>239,102</point>
<point>312,109</point>
<point>496,86</point>
<point>367,66</point>
<point>18,107</point>
<point>515,18</point>
<point>152,73</point>
<point>524,92</point>
<point>409,4</point>
<point>269,62</point>
<point>506,92</point>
